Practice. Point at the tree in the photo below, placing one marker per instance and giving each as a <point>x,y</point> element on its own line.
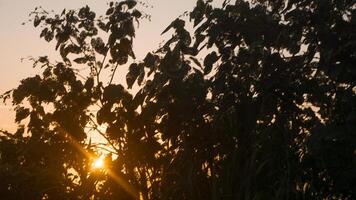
<point>268,113</point>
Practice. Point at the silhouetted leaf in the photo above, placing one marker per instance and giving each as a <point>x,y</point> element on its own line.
<point>176,24</point>
<point>141,76</point>
<point>196,61</point>
<point>21,113</point>
<point>36,21</point>
<point>89,83</point>
<point>81,60</point>
<point>44,32</point>
<point>134,71</point>
<point>110,11</point>
<point>209,60</point>
<point>130,3</point>
<point>136,13</point>
<point>149,60</point>
<point>113,93</point>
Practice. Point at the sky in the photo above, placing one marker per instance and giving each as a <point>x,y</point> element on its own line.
<point>20,41</point>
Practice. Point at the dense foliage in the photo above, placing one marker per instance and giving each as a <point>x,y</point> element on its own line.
<point>258,101</point>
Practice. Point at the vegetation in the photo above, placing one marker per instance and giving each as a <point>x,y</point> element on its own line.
<point>258,101</point>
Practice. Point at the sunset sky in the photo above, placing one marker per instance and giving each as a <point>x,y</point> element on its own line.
<point>20,41</point>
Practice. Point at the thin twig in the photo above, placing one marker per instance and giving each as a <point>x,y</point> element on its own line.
<point>102,65</point>
<point>102,134</point>
<point>113,73</point>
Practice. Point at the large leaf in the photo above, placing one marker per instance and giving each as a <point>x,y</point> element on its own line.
<point>209,60</point>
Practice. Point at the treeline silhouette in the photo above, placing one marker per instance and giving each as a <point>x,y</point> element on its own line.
<point>258,101</point>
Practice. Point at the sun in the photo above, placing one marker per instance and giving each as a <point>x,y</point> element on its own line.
<point>98,163</point>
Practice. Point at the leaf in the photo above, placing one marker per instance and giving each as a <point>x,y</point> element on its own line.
<point>99,45</point>
<point>130,3</point>
<point>141,76</point>
<point>113,93</point>
<point>21,113</point>
<point>48,36</point>
<point>184,37</point>
<point>71,48</point>
<point>89,83</point>
<point>129,28</point>
<point>110,11</point>
<point>209,60</point>
<point>103,26</point>
<point>44,32</point>
<point>104,114</point>
<point>131,76</point>
<point>20,130</point>
<point>6,95</point>
<point>36,21</point>
<point>83,12</point>
<point>136,13</point>
<point>81,60</point>
<point>43,59</point>
<point>138,99</point>
<point>196,61</point>
<point>177,24</point>
<point>149,60</point>
<point>63,12</point>
<point>198,13</point>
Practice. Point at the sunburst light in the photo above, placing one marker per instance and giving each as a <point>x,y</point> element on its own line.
<point>98,163</point>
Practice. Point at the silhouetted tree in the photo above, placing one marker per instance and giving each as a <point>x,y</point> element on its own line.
<point>258,101</point>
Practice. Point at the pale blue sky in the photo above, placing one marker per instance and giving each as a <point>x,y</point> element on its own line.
<point>18,41</point>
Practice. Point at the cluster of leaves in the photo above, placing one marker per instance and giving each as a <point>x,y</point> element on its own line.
<point>268,112</point>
